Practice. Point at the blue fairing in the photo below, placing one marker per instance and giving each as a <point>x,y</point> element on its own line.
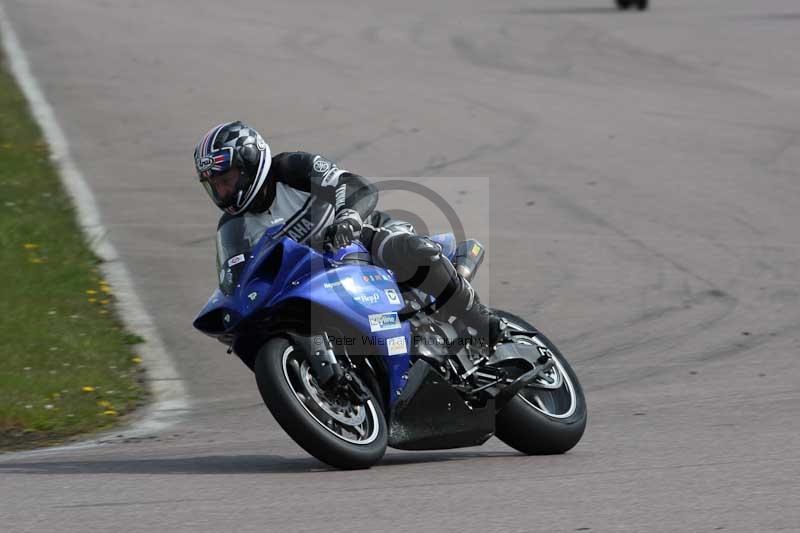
<point>278,270</point>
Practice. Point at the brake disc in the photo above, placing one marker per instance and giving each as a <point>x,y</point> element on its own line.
<point>340,410</point>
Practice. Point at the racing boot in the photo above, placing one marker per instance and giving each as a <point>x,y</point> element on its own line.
<point>418,262</point>
<point>456,297</point>
<point>481,322</point>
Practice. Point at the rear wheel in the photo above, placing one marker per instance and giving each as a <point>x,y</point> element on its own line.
<point>641,5</point>
<point>624,4</point>
<point>547,416</point>
<point>330,425</point>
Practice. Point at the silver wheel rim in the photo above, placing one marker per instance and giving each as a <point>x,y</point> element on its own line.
<point>545,397</point>
<point>356,424</point>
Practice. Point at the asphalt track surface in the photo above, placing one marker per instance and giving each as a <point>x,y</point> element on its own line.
<point>642,208</point>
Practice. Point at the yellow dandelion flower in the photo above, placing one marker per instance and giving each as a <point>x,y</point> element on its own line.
<point>105,302</point>
<point>37,260</point>
<point>104,403</point>
<point>30,246</point>
<point>91,300</point>
<point>87,388</point>
<point>136,360</point>
<point>110,412</point>
<point>91,291</point>
<point>105,288</point>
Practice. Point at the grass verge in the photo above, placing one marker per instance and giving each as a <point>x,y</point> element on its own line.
<point>67,366</point>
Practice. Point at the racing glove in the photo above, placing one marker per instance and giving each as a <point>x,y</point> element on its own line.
<point>344,229</point>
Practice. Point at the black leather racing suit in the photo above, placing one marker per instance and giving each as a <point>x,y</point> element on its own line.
<point>307,193</point>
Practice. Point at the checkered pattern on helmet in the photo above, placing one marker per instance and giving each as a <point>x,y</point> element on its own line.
<point>236,135</point>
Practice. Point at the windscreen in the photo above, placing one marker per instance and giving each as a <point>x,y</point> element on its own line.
<point>236,237</point>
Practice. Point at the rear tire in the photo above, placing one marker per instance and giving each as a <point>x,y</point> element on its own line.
<point>641,5</point>
<point>624,4</point>
<point>319,426</point>
<point>530,429</point>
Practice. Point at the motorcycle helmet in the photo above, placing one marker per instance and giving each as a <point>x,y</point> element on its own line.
<point>232,161</point>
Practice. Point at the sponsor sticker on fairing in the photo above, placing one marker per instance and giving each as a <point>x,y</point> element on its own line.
<point>384,322</point>
<point>392,296</point>
<point>334,284</point>
<point>368,299</point>
<point>236,260</point>
<point>396,345</point>
<point>347,283</point>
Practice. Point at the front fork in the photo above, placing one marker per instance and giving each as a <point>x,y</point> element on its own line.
<point>328,372</point>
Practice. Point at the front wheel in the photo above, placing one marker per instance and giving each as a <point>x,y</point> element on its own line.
<point>544,417</point>
<point>329,425</point>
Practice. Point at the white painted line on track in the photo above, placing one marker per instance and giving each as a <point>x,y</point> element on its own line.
<point>170,399</point>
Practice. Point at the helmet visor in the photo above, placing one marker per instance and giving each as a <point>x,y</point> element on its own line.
<point>222,188</point>
<point>218,176</point>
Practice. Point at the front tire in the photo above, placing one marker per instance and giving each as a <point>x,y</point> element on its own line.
<point>328,426</point>
<point>541,421</point>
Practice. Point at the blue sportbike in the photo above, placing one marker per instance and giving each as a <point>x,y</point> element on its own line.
<point>349,362</point>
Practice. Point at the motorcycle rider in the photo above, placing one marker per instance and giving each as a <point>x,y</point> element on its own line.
<point>317,200</point>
